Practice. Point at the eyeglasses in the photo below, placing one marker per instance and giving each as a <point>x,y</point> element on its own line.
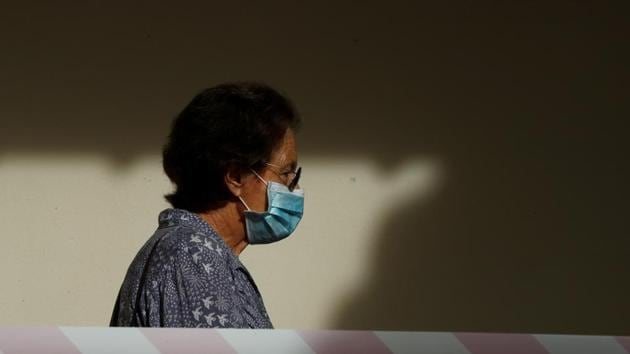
<point>292,177</point>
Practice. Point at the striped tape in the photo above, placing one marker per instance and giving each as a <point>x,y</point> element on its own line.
<point>101,340</point>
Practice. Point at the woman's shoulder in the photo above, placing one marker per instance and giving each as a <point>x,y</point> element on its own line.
<point>185,242</point>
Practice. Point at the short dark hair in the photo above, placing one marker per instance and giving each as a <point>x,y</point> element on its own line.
<point>230,126</point>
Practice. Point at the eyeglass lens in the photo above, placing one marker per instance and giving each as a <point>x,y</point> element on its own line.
<point>295,179</point>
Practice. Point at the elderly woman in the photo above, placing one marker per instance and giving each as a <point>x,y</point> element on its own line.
<point>232,157</point>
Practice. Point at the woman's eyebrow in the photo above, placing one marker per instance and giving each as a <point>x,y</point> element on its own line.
<point>286,164</point>
<point>289,167</point>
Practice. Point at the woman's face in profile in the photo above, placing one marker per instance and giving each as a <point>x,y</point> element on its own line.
<point>284,161</point>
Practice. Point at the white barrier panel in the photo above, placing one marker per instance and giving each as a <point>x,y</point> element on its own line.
<point>100,340</point>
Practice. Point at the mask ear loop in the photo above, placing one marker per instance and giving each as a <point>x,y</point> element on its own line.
<point>242,201</point>
<point>260,178</point>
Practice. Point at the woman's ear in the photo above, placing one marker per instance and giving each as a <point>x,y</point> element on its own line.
<point>234,179</point>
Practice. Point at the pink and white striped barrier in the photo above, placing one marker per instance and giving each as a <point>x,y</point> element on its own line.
<point>179,340</point>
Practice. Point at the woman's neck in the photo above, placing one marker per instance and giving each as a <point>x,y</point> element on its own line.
<point>227,221</point>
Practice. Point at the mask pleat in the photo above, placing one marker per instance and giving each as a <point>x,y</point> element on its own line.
<point>281,218</point>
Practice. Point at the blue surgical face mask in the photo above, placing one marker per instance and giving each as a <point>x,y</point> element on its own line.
<point>281,218</point>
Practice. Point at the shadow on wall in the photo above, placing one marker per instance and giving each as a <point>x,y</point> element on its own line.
<point>505,246</point>
<point>525,104</point>
<point>527,233</point>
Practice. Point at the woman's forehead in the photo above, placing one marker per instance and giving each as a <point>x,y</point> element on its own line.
<point>286,153</point>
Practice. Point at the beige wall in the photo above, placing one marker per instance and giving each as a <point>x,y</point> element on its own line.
<point>465,165</point>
